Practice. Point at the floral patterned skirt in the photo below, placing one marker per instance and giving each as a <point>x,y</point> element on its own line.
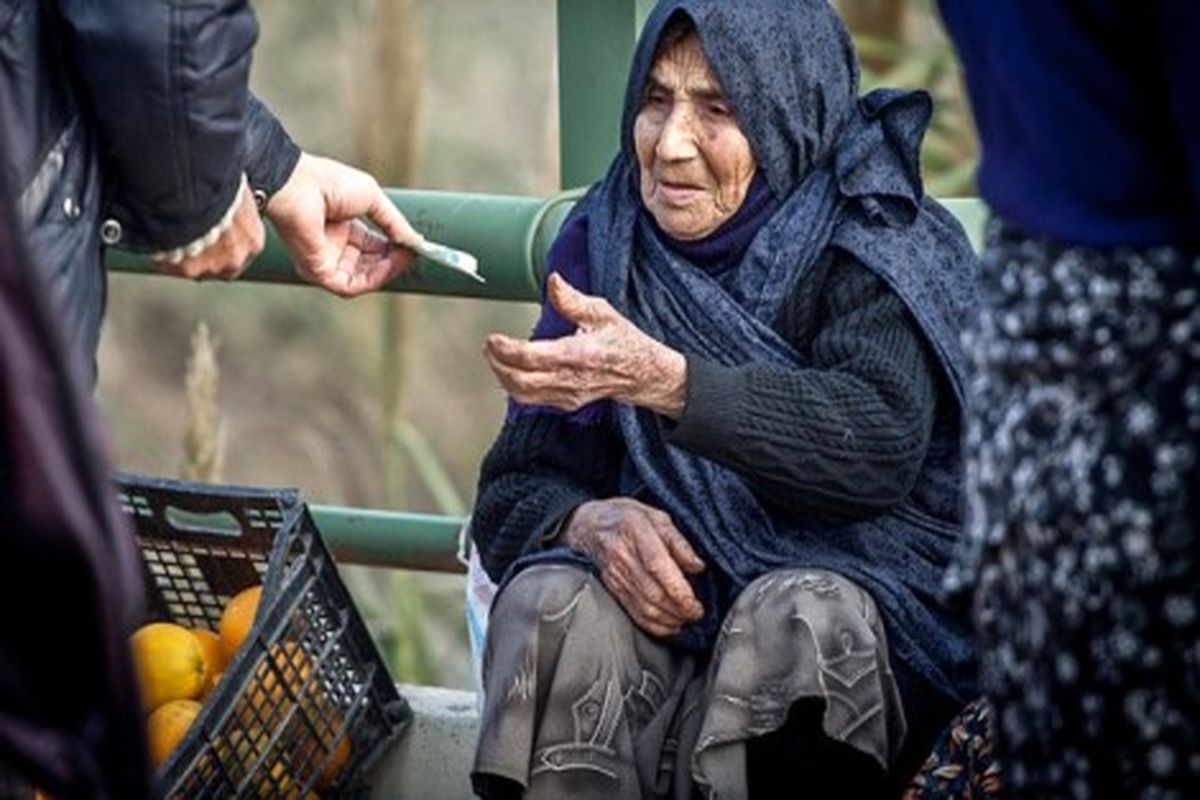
<point>1084,508</point>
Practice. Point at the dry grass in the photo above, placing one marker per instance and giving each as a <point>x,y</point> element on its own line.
<point>203,443</point>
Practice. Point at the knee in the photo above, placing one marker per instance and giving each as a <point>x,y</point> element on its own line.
<point>541,591</point>
<point>829,605</point>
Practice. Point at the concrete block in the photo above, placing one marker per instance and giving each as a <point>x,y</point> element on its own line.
<point>432,760</point>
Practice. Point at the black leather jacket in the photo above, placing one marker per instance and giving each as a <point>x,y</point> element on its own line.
<point>130,124</point>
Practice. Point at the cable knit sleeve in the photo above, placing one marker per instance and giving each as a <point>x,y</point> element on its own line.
<point>539,469</point>
<point>844,438</point>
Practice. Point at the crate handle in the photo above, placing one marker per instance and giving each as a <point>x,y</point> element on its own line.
<point>221,523</point>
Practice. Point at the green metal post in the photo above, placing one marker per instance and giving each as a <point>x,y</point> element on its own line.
<point>595,46</point>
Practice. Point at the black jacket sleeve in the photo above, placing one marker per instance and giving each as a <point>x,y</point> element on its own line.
<point>168,85</point>
<point>540,468</point>
<point>842,439</point>
<point>271,155</point>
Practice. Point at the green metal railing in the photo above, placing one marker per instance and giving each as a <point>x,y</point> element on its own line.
<point>399,539</point>
<point>510,236</point>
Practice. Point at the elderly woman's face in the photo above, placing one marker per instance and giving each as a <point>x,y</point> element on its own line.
<point>695,162</point>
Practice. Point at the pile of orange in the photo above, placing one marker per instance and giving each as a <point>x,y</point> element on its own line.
<point>179,667</point>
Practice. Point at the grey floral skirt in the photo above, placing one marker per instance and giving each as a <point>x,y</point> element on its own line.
<point>1083,515</point>
<point>579,702</point>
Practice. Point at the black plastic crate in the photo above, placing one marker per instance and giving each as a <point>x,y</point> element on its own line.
<point>308,689</point>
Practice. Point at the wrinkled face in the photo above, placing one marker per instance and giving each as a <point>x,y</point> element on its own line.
<point>695,162</point>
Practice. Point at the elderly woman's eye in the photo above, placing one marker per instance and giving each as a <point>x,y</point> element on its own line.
<point>719,109</point>
<point>657,98</point>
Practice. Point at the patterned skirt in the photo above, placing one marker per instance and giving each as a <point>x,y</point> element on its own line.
<point>1084,509</point>
<point>581,703</point>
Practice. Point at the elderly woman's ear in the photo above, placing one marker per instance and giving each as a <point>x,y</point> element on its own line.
<point>607,359</point>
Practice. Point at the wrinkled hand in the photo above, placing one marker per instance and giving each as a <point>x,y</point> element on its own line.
<point>317,215</point>
<point>607,358</point>
<point>229,256</point>
<point>643,561</point>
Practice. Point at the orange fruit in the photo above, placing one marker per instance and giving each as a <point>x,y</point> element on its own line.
<point>337,763</point>
<point>237,620</point>
<point>279,783</point>
<point>214,654</point>
<point>316,748</point>
<point>277,683</point>
<point>167,726</point>
<point>238,750</point>
<point>169,662</point>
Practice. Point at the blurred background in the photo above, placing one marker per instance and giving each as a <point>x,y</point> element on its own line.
<point>385,401</point>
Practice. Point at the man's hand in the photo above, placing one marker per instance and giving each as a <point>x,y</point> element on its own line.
<point>607,358</point>
<point>231,253</point>
<point>643,561</point>
<point>317,215</point>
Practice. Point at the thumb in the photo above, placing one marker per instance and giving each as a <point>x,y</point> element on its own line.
<point>575,306</point>
<point>388,219</point>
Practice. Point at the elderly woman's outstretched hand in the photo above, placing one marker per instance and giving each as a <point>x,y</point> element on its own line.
<point>607,358</point>
<point>643,559</point>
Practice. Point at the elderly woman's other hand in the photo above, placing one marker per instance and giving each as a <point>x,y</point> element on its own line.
<point>643,559</point>
<point>607,358</point>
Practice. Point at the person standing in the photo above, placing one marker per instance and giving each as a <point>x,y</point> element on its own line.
<point>70,577</point>
<point>132,125</point>
<point>125,124</point>
<point>1084,434</point>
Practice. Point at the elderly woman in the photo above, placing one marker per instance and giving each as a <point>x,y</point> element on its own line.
<point>729,479</point>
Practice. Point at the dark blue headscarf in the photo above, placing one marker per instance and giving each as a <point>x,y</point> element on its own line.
<point>845,173</point>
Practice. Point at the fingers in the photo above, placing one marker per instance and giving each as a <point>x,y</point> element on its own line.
<point>388,218</point>
<point>623,537</point>
<point>575,306</point>
<point>540,373</point>
<point>352,193</point>
<point>656,589</point>
<point>368,261</point>
<point>539,388</point>
<point>318,216</point>
<point>542,354</point>
<point>681,550</point>
<point>660,564</point>
<point>647,615</point>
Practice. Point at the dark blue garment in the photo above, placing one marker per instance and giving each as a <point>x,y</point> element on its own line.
<point>846,174</point>
<point>1088,115</point>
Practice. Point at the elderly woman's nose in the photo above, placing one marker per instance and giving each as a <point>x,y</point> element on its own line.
<point>677,140</point>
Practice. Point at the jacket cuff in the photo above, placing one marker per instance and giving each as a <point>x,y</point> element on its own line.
<point>715,395</point>
<point>271,155</point>
<point>201,243</point>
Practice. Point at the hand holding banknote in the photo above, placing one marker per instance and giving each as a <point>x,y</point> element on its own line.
<point>318,214</point>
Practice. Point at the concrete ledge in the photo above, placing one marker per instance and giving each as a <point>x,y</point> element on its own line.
<point>432,760</point>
